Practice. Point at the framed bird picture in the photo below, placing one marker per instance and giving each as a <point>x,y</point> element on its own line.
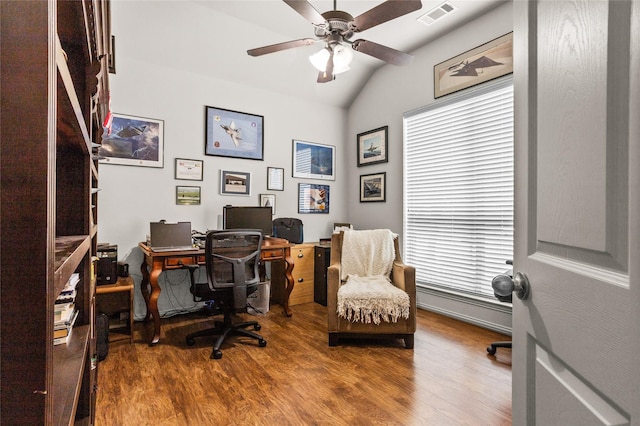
<point>234,134</point>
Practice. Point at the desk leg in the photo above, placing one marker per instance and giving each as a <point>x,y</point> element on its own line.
<point>290,283</point>
<point>144,287</point>
<point>151,299</point>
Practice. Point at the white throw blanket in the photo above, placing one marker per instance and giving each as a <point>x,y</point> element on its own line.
<point>368,295</point>
<point>371,300</point>
<point>367,253</point>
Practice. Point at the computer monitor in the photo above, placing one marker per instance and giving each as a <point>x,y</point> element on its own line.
<point>244,217</point>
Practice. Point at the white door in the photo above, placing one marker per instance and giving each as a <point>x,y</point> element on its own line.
<point>576,353</point>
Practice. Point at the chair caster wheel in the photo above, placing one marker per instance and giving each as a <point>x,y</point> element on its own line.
<point>191,342</point>
<point>262,343</point>
<point>216,355</point>
<point>491,350</point>
<point>257,327</point>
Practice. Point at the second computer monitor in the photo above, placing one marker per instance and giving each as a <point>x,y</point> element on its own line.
<point>244,217</point>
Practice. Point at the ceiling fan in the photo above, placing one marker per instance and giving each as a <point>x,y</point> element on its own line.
<point>335,28</point>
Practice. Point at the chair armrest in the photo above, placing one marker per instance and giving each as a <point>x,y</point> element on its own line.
<point>403,276</point>
<point>333,283</point>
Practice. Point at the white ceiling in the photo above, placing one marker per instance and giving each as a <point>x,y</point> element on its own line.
<point>249,24</point>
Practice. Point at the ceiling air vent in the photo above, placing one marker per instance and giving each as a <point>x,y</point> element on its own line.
<point>436,13</point>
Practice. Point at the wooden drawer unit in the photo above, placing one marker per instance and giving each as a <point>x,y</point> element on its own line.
<point>303,259</point>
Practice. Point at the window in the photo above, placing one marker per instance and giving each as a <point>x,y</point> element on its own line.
<point>458,216</point>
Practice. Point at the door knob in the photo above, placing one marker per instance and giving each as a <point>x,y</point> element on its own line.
<point>503,285</point>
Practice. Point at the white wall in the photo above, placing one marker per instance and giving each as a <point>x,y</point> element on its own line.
<point>144,85</point>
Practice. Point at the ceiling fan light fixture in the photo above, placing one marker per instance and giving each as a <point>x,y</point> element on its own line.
<point>342,57</point>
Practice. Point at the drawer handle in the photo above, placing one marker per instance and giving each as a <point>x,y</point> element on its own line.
<point>300,255</point>
<point>300,280</point>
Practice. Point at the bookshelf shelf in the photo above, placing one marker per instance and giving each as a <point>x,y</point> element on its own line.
<point>69,361</point>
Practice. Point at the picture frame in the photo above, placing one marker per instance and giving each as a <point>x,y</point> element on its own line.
<point>186,169</point>
<point>373,146</point>
<point>494,59</point>
<point>313,198</point>
<point>275,179</point>
<point>313,160</point>
<point>111,57</point>
<point>133,141</point>
<point>373,187</point>
<point>187,195</point>
<point>235,183</point>
<point>233,134</point>
<point>268,200</point>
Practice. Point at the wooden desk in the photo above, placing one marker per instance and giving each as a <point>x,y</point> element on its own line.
<point>154,263</point>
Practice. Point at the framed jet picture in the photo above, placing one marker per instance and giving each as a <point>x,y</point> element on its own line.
<point>234,134</point>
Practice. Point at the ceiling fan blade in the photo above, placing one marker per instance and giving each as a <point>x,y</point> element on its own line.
<point>384,53</point>
<point>258,51</point>
<point>307,11</point>
<point>384,12</point>
<point>327,75</point>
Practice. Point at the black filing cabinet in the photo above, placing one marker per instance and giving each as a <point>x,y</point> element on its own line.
<point>322,253</point>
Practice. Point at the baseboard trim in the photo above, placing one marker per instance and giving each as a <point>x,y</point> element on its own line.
<point>483,313</point>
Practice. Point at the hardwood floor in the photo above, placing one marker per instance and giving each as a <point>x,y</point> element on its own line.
<point>297,379</point>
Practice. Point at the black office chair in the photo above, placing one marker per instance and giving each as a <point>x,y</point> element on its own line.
<point>232,260</point>
<point>493,347</point>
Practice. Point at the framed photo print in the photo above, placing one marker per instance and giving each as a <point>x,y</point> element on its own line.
<point>313,198</point>
<point>234,134</point>
<point>235,183</point>
<point>373,187</point>
<point>483,63</point>
<point>373,146</point>
<point>275,179</point>
<point>133,141</point>
<point>188,169</point>
<point>313,160</point>
<point>268,200</point>
<point>187,195</point>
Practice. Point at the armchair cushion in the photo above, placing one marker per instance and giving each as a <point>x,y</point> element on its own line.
<point>372,299</point>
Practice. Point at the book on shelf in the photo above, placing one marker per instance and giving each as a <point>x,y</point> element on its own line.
<point>72,283</point>
<point>66,297</point>
<point>62,332</point>
<point>62,313</point>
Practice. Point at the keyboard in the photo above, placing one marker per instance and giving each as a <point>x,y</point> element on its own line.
<point>174,248</point>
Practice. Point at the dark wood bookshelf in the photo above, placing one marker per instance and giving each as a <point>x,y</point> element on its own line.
<point>53,99</point>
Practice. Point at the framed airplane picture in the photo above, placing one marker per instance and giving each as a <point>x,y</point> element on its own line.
<point>373,187</point>
<point>233,134</point>
<point>373,146</point>
<point>483,63</point>
<point>133,141</point>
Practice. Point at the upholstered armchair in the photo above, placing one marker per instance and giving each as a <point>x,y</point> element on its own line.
<point>353,322</point>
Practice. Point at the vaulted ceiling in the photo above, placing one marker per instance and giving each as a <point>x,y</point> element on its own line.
<point>233,27</point>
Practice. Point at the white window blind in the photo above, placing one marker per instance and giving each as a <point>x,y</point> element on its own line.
<point>459,190</point>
